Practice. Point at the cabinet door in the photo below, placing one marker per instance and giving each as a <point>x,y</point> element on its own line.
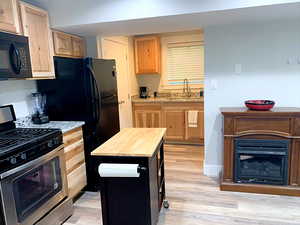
<point>62,44</point>
<point>78,47</point>
<point>9,18</point>
<point>75,161</point>
<point>147,119</point>
<point>195,134</point>
<point>36,27</point>
<point>147,55</point>
<point>174,121</point>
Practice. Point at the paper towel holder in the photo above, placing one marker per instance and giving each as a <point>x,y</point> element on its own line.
<point>141,169</point>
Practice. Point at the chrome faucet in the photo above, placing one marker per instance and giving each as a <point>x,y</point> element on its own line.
<point>186,88</point>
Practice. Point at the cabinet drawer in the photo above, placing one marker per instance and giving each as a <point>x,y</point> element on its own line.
<point>281,125</point>
<point>72,136</point>
<point>77,158</point>
<point>77,180</point>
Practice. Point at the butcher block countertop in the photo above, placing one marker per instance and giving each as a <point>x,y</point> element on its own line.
<point>135,142</point>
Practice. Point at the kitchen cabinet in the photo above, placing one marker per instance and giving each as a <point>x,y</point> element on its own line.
<point>78,47</point>
<point>62,44</point>
<point>36,26</point>
<point>174,117</point>
<point>194,134</point>
<point>174,121</point>
<point>147,116</point>
<point>66,45</point>
<point>147,55</point>
<point>75,161</point>
<point>9,16</point>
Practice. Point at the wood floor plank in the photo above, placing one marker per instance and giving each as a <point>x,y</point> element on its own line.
<point>196,199</point>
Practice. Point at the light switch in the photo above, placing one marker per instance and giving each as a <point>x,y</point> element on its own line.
<point>213,84</point>
<point>290,61</point>
<point>238,68</point>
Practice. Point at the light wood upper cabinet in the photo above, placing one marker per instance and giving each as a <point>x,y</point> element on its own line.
<point>147,55</point>
<point>62,43</point>
<point>36,26</point>
<point>9,16</point>
<point>78,46</point>
<point>67,45</point>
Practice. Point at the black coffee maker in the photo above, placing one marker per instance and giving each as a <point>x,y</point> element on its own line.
<point>143,92</point>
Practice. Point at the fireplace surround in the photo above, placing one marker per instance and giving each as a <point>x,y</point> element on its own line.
<point>261,151</point>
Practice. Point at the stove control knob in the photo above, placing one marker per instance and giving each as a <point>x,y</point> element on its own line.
<point>50,144</point>
<point>13,160</point>
<point>23,156</point>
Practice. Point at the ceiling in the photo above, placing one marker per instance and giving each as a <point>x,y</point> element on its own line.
<point>188,21</point>
<point>129,17</point>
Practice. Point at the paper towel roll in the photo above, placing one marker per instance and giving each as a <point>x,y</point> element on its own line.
<point>118,170</point>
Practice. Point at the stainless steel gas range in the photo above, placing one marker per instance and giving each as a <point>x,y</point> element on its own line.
<point>33,188</point>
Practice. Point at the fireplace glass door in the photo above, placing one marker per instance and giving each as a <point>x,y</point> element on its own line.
<point>261,161</point>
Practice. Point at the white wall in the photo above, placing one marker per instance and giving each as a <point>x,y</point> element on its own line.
<point>263,50</point>
<point>17,92</point>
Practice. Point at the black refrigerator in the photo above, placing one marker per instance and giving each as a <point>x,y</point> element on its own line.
<point>85,90</point>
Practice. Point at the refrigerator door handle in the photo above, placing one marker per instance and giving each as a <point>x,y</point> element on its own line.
<point>97,91</point>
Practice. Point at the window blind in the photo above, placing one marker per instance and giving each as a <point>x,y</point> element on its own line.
<point>185,61</point>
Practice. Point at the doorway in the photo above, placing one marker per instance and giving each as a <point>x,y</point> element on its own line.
<point>117,48</point>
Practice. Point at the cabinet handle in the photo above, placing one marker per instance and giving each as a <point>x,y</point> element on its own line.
<point>121,102</point>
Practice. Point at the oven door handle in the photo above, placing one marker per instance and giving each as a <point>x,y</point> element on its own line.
<point>32,164</point>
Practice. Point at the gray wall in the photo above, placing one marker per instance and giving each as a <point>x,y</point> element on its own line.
<point>270,58</point>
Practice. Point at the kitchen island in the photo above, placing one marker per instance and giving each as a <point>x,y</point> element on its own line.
<point>137,197</point>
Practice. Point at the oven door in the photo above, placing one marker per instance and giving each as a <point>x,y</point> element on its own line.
<point>14,57</point>
<point>33,189</point>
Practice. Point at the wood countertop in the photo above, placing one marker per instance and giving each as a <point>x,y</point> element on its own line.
<point>243,111</point>
<point>136,142</point>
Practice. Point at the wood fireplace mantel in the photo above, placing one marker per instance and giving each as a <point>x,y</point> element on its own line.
<point>279,123</point>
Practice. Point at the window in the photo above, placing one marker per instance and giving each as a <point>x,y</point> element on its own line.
<point>185,61</point>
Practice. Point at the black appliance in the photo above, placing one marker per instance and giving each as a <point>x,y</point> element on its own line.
<point>14,57</point>
<point>85,90</point>
<point>32,173</point>
<point>143,92</point>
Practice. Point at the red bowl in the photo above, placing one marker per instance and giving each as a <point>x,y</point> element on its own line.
<point>260,105</point>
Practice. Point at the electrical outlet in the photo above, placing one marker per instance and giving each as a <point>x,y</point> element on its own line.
<point>238,68</point>
<point>213,84</point>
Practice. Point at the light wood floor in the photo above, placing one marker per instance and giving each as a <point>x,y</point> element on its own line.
<point>196,199</point>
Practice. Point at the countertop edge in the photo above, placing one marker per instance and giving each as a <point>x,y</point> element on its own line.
<point>64,126</point>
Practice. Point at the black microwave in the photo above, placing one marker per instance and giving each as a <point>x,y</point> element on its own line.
<point>14,57</point>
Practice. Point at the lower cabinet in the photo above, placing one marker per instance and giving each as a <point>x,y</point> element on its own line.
<point>75,161</point>
<point>147,116</point>
<point>193,134</point>
<point>174,121</point>
<point>174,117</point>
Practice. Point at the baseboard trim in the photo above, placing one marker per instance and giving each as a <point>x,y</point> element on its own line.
<point>212,170</point>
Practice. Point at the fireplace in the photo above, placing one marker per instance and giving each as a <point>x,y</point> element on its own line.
<point>261,151</point>
<point>261,161</point>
